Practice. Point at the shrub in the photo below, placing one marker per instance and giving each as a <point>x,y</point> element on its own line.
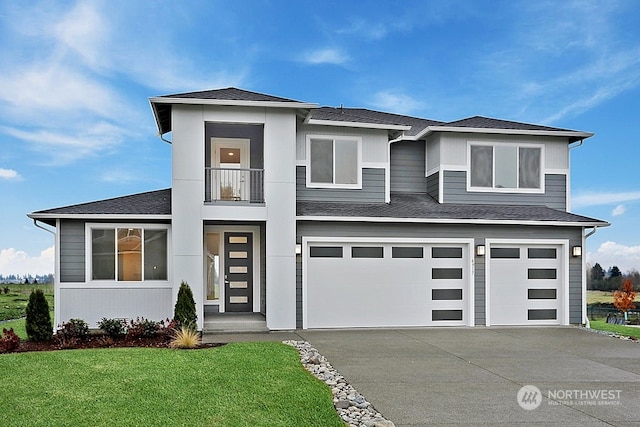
<point>184,312</point>
<point>9,341</point>
<point>74,328</point>
<point>6,289</point>
<point>185,337</point>
<point>114,328</point>
<point>143,328</point>
<point>38,322</point>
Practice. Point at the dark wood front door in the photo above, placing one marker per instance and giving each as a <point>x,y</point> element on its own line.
<point>238,272</point>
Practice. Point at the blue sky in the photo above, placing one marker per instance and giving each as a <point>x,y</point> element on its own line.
<point>75,78</point>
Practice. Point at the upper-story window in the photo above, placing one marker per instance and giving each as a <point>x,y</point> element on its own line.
<point>333,162</point>
<point>505,167</point>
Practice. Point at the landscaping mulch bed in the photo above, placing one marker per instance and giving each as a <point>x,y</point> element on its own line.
<point>101,341</point>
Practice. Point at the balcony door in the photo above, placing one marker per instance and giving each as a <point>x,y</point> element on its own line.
<point>230,169</point>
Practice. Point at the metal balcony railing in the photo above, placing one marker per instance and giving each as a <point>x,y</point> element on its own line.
<point>234,185</point>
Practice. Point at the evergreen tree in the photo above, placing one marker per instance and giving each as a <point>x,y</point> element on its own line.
<point>185,309</point>
<point>38,322</point>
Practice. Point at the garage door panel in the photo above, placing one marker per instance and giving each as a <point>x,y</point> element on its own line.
<point>395,289</point>
<point>525,289</point>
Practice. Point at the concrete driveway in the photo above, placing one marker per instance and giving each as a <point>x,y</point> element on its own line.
<point>472,376</point>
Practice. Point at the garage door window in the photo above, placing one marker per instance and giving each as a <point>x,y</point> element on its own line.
<point>325,251</point>
<point>542,253</point>
<point>446,294</point>
<point>542,273</point>
<point>511,253</point>
<point>437,315</point>
<point>541,294</point>
<point>406,252</point>
<point>542,314</point>
<point>367,252</point>
<point>442,252</point>
<point>446,273</point>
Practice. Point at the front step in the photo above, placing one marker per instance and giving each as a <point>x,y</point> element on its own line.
<point>230,322</point>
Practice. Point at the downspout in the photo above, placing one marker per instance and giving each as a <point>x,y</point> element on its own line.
<point>585,319</point>
<point>35,222</point>
<point>161,136</point>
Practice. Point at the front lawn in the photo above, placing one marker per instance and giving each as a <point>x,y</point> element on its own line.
<point>627,331</point>
<point>239,384</point>
<point>14,303</point>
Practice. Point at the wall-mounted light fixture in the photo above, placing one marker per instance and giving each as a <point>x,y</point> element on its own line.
<point>298,249</point>
<point>480,250</point>
<point>576,251</point>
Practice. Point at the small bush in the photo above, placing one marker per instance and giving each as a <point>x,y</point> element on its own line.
<point>185,337</point>
<point>143,328</point>
<point>6,290</point>
<point>184,312</point>
<point>74,328</point>
<point>38,322</point>
<point>114,328</point>
<point>9,341</point>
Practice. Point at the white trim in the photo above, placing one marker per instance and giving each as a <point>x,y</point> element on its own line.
<point>115,283</point>
<point>565,133</point>
<point>333,138</point>
<point>564,258</point>
<point>494,189</point>
<point>255,230</point>
<point>469,306</point>
<point>356,124</point>
<point>57,284</point>
<point>198,101</point>
<point>100,217</point>
<point>451,221</point>
<point>583,270</point>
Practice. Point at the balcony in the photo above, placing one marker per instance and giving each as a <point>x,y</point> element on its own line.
<point>234,185</point>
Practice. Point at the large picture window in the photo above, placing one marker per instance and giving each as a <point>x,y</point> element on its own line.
<point>333,162</point>
<point>510,167</point>
<point>128,254</point>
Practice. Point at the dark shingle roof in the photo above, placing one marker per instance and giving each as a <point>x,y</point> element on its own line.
<point>150,203</point>
<point>489,123</point>
<point>229,94</point>
<point>423,207</point>
<point>362,115</point>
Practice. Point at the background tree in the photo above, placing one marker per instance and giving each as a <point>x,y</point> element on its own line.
<point>38,322</point>
<point>596,276</point>
<point>623,298</point>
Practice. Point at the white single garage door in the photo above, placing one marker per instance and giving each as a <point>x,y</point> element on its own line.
<point>386,284</point>
<point>526,284</point>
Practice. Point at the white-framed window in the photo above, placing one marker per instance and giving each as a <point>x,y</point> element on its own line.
<point>333,162</point>
<point>505,167</point>
<point>127,253</point>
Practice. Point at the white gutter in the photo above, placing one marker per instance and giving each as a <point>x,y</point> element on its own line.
<point>566,133</point>
<point>35,222</point>
<point>230,102</point>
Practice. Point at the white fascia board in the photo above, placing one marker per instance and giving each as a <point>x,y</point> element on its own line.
<point>228,102</point>
<point>563,133</point>
<point>99,217</point>
<point>452,221</point>
<point>356,124</point>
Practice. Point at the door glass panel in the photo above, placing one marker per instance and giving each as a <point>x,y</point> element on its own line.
<point>237,239</point>
<point>213,266</point>
<point>237,269</point>
<point>238,300</point>
<point>237,254</point>
<point>238,285</point>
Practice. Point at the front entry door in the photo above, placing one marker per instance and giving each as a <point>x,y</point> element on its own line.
<point>238,272</point>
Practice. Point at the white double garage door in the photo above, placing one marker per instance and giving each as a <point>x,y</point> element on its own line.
<point>417,282</point>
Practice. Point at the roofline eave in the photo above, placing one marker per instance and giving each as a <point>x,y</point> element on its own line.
<point>574,135</point>
<point>339,123</point>
<point>231,102</point>
<point>98,217</point>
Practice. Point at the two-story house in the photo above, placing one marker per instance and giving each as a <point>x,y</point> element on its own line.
<point>333,218</point>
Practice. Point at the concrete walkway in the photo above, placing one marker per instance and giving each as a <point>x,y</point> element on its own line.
<point>472,376</point>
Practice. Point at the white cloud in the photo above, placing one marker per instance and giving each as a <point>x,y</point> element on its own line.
<point>9,174</point>
<point>618,210</point>
<point>396,102</point>
<point>606,198</point>
<point>13,261</point>
<point>325,56</point>
<point>609,253</point>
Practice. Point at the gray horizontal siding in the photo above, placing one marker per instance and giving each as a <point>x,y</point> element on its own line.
<point>72,251</point>
<point>373,184</point>
<point>433,185</point>
<point>408,167</point>
<point>555,196</point>
<point>437,231</point>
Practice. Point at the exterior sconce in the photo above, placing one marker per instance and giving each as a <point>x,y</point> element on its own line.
<point>576,251</point>
<point>298,249</point>
<point>480,250</point>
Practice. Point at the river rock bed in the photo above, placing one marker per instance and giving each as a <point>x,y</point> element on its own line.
<point>352,407</point>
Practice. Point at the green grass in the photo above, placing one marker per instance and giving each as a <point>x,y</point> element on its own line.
<point>18,327</point>
<point>599,296</point>
<point>239,384</point>
<point>627,331</point>
<point>14,303</point>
